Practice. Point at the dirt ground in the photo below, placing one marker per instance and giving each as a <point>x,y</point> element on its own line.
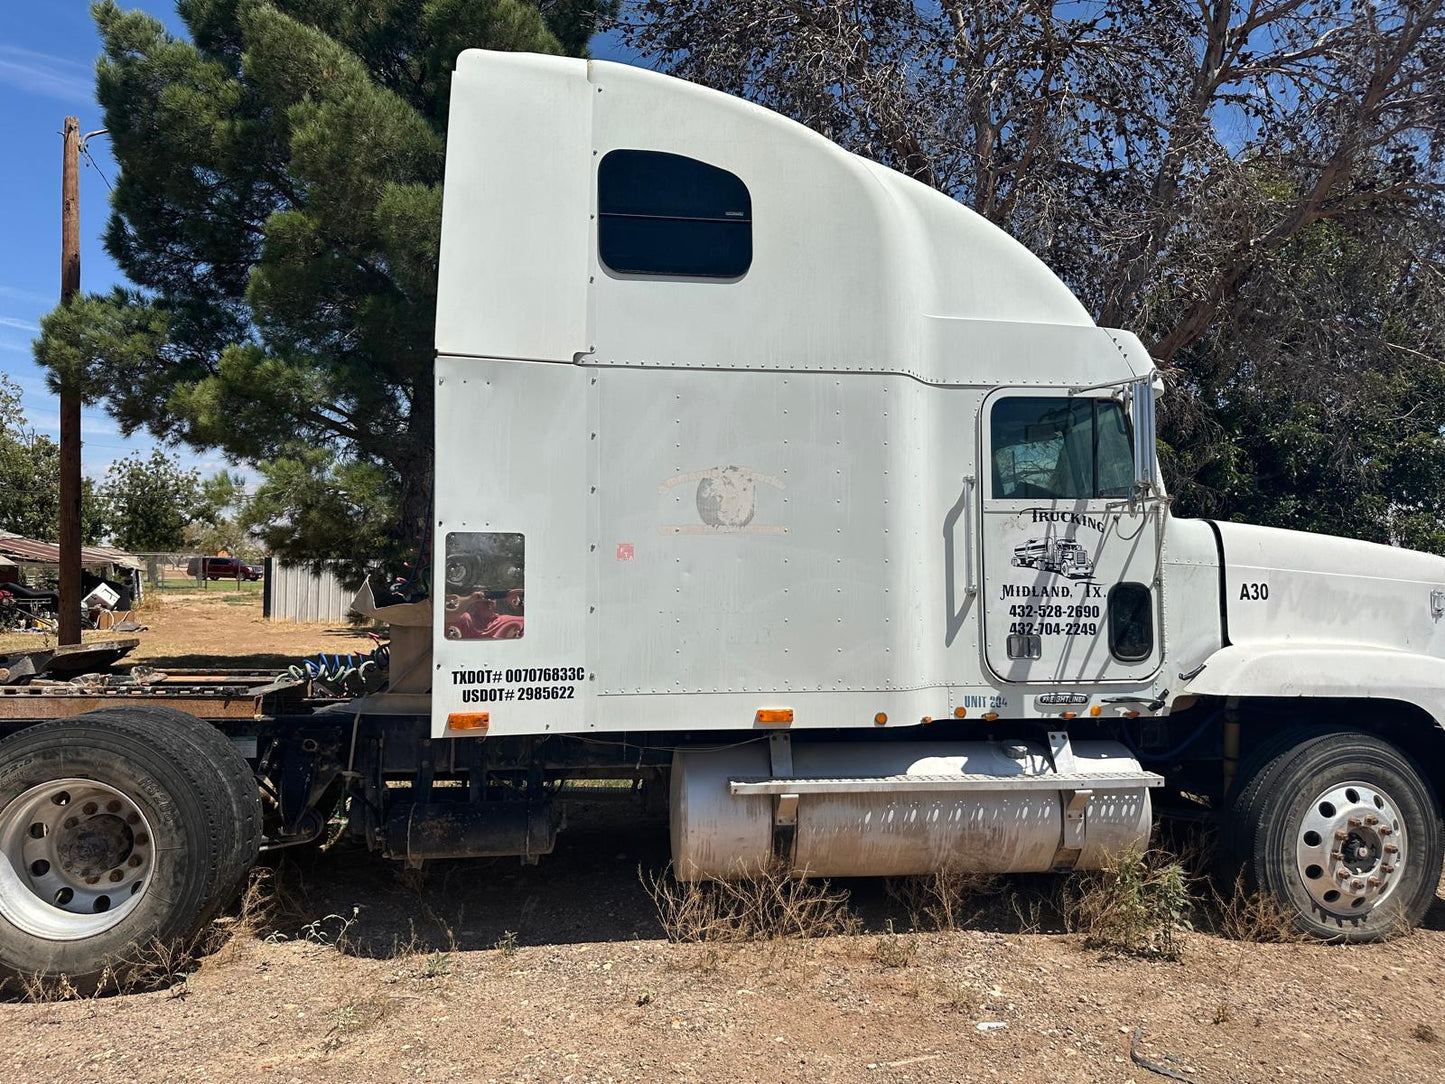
<point>491,971</point>
<point>216,627</point>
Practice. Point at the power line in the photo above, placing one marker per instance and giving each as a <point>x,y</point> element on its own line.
<point>93,165</point>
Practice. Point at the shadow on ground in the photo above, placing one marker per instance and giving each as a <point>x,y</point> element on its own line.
<point>592,888</point>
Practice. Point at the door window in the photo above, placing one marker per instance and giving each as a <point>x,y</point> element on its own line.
<point>1060,449</point>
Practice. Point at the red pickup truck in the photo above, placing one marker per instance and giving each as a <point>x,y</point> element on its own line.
<point>221,568</point>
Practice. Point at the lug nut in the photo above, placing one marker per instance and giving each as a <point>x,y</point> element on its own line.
<point>1387,868</point>
<point>1342,874</point>
<point>1386,830</point>
<point>1353,822</point>
<point>134,861</point>
<point>1341,834</point>
<point>1357,885</point>
<point>1370,818</point>
<point>116,875</point>
<point>1375,882</point>
<point>1390,848</point>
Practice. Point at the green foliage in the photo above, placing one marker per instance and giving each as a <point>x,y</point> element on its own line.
<point>30,478</point>
<point>222,524</point>
<point>278,214</point>
<point>150,501</point>
<point>1321,407</point>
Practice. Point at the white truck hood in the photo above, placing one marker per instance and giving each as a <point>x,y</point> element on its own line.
<point>1292,587</point>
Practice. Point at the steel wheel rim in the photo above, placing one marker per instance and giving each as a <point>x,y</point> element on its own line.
<point>76,857</point>
<point>1350,848</point>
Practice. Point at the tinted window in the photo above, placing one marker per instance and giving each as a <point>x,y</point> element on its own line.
<point>1131,622</point>
<point>664,214</point>
<point>1060,449</point>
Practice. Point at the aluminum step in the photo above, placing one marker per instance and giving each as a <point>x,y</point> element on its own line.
<point>1123,780</point>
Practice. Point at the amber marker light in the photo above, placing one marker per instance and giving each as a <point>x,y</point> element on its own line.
<point>959,713</point>
<point>469,720</point>
<point>775,716</point>
<point>1096,711</point>
<point>1069,714</point>
<point>881,718</point>
<point>990,716</point>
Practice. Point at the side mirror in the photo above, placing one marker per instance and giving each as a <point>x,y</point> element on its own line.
<point>1141,395</point>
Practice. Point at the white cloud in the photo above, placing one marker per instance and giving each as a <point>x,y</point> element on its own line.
<point>18,325</point>
<point>42,73</point>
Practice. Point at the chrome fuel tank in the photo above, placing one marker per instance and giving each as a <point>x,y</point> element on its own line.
<point>867,809</point>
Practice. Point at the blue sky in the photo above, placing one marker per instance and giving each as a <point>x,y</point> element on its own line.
<point>47,65</point>
<point>47,62</point>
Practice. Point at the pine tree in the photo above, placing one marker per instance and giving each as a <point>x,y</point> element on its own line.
<point>278,215</point>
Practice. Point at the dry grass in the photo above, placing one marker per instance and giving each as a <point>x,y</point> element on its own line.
<point>768,906</point>
<point>158,965</point>
<point>1251,916</point>
<point>947,900</point>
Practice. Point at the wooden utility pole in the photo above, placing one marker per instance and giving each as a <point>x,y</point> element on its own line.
<point>70,396</point>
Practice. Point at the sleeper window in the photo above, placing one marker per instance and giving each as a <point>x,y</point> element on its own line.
<point>664,214</point>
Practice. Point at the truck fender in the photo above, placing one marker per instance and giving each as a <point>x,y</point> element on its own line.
<point>1326,671</point>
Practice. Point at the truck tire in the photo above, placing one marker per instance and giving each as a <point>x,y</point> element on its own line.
<point>113,835</point>
<point>1343,832</point>
<point>213,748</point>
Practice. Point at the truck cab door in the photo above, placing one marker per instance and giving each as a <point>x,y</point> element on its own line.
<point>1070,556</point>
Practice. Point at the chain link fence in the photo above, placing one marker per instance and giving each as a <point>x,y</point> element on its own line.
<point>162,572</point>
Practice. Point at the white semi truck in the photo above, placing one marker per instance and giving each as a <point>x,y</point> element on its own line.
<point>767,426</point>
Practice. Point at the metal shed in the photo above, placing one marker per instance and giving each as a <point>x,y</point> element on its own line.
<point>298,592</point>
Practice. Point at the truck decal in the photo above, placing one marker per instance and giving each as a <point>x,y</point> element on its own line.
<point>1060,556</point>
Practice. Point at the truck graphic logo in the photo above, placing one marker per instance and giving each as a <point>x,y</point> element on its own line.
<point>726,501</point>
<point>1061,556</point>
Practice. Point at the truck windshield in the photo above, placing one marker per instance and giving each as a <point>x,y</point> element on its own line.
<point>1060,449</point>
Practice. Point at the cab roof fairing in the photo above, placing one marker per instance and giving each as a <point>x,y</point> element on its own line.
<point>869,270</point>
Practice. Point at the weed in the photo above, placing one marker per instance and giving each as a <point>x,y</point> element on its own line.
<point>767,905</point>
<point>507,943</point>
<point>893,950</point>
<point>1424,1033</point>
<point>437,965</point>
<point>1222,1012</point>
<point>353,1017</point>
<point>946,899</point>
<point>1138,905</point>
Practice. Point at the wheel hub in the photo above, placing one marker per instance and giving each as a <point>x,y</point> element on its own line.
<point>95,846</point>
<point>76,857</point>
<point>1350,848</point>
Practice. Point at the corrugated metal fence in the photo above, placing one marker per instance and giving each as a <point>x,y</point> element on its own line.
<point>297,593</point>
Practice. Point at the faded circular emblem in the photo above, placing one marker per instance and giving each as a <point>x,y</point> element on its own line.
<point>727,498</point>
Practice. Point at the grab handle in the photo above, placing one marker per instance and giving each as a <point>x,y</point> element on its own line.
<point>970,589</point>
